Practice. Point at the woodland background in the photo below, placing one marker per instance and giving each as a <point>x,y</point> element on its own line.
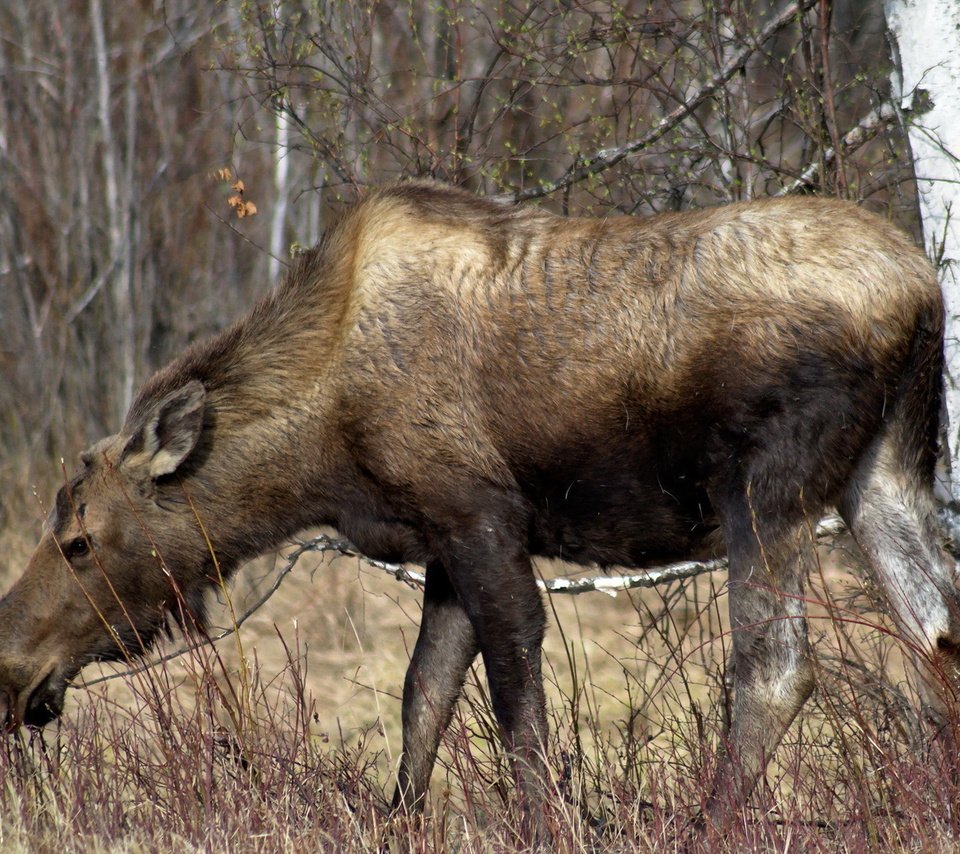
<point>118,247</point>
<point>126,134</point>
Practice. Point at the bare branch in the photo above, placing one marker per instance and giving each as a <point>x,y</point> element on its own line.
<point>883,115</point>
<point>828,529</point>
<point>607,157</point>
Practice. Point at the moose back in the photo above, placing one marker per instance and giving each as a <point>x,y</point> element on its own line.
<point>467,384</point>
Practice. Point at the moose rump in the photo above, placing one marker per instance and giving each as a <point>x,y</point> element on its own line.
<point>468,384</point>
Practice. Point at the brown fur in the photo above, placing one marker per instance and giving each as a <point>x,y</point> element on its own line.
<point>462,383</point>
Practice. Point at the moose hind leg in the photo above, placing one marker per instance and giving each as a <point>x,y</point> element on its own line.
<point>444,650</point>
<point>888,507</point>
<point>773,673</point>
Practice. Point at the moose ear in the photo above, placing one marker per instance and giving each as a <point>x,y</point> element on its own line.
<point>170,431</point>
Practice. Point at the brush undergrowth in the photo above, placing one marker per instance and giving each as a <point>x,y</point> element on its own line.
<point>215,753</point>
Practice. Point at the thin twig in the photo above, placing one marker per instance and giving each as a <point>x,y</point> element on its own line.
<point>607,157</point>
<point>883,115</point>
<point>285,570</point>
<point>242,236</point>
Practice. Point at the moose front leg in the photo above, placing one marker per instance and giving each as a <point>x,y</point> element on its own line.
<point>773,673</point>
<point>445,648</point>
<point>493,577</point>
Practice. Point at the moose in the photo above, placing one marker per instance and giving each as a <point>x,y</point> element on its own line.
<point>466,384</point>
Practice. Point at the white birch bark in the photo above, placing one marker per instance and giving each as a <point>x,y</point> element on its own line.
<point>927,34</point>
<point>281,167</point>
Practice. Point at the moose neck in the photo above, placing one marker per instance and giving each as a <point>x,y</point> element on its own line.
<point>261,479</point>
<point>255,476</point>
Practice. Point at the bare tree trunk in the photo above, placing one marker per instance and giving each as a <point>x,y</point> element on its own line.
<point>119,268</point>
<point>281,168</point>
<point>927,36</point>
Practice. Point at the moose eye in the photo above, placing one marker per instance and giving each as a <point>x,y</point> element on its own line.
<point>77,547</point>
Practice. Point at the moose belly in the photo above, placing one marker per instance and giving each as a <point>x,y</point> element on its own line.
<point>621,519</point>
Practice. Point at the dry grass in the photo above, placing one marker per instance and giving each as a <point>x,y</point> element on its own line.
<point>287,735</point>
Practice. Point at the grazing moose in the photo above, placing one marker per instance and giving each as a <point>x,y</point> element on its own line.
<point>466,384</point>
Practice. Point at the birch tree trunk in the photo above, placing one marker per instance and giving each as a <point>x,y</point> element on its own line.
<point>281,168</point>
<point>927,36</point>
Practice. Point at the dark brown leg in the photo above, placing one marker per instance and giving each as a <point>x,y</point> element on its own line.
<point>494,579</point>
<point>445,648</point>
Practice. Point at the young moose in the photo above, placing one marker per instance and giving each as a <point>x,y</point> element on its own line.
<point>466,384</point>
